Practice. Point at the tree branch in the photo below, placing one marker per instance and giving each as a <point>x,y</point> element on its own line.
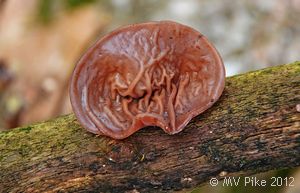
<point>254,127</point>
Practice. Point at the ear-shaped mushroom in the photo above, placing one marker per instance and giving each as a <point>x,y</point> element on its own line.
<point>149,74</point>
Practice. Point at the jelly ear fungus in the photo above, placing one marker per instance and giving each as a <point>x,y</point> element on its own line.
<point>150,74</point>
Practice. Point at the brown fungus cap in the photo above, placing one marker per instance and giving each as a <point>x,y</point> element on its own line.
<point>149,74</point>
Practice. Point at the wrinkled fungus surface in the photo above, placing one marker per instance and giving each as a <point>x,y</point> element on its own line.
<point>150,74</point>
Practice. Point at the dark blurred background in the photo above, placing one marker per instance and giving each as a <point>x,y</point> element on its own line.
<point>41,40</point>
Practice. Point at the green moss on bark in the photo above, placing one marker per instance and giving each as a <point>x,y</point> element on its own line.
<point>253,127</point>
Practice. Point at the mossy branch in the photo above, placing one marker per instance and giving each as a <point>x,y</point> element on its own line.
<point>254,127</point>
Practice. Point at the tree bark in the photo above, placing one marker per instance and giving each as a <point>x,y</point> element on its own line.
<point>254,127</point>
